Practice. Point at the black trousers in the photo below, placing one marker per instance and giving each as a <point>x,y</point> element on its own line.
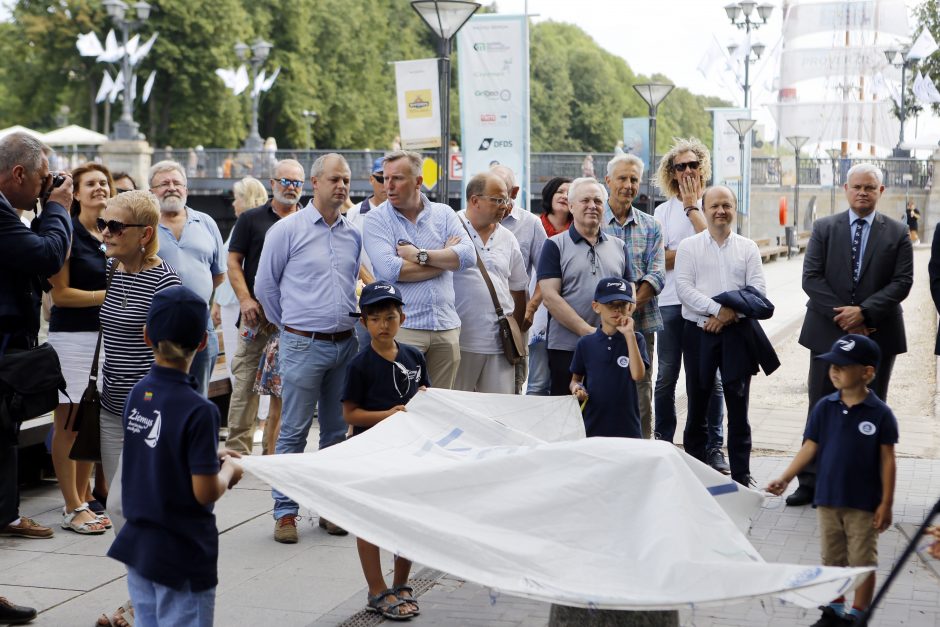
<point>559,370</point>
<point>9,486</point>
<point>819,385</point>
<point>699,367</point>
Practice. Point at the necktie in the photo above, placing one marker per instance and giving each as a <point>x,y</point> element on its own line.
<point>860,225</point>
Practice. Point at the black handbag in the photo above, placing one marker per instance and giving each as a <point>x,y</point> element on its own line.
<point>30,382</point>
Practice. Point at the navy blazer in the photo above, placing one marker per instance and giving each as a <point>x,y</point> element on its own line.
<point>882,284</point>
<point>28,256</point>
<point>933,269</point>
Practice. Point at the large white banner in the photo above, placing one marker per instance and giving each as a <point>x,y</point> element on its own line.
<point>800,64</point>
<point>419,103</point>
<point>884,16</point>
<point>865,122</point>
<point>726,155</point>
<point>493,77</point>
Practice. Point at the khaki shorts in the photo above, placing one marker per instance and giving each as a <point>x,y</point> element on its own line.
<point>847,537</point>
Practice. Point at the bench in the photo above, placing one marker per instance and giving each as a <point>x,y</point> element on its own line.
<point>802,240</point>
<point>769,250</point>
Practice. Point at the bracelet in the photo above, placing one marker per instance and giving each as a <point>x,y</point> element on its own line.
<point>689,210</point>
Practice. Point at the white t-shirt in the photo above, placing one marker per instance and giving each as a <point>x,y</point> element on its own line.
<point>503,260</point>
<point>676,227</point>
<point>355,218</point>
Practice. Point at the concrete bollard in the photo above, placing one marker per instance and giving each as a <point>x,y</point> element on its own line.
<point>564,616</point>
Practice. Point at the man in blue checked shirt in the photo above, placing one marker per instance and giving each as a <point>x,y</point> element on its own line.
<point>644,241</point>
<point>417,245</point>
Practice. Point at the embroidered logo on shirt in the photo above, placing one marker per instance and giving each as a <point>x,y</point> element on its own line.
<point>866,428</point>
<point>138,423</point>
<point>846,345</point>
<point>148,396</point>
<point>623,361</point>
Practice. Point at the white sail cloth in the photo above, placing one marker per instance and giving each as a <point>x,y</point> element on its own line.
<point>506,492</point>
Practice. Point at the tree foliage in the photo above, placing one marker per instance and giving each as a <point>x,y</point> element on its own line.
<point>334,57</point>
<point>927,15</point>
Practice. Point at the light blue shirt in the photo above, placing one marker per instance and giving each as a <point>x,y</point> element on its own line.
<point>308,271</point>
<point>197,255</point>
<point>429,304</point>
<point>870,219</point>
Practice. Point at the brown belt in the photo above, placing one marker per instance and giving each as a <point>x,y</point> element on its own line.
<point>323,337</point>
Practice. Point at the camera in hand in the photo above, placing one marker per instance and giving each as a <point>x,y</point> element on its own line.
<point>57,180</point>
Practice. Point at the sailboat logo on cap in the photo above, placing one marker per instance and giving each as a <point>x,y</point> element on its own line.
<point>847,345</point>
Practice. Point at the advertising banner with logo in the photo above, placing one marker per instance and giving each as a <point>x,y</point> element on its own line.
<point>636,139</point>
<point>726,154</point>
<point>493,75</point>
<point>419,104</point>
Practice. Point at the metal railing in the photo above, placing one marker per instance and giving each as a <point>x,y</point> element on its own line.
<point>915,173</point>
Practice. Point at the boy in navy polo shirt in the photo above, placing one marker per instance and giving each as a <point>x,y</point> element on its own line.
<point>380,381</point>
<point>852,434</point>
<point>171,474</point>
<point>608,363</point>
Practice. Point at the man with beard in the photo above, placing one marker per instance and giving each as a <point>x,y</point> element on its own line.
<point>244,253</point>
<point>191,243</point>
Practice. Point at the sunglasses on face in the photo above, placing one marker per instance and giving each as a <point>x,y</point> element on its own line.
<point>115,227</point>
<point>290,182</point>
<point>378,178</point>
<point>680,167</point>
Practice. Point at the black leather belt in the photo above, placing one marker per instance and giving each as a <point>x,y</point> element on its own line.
<point>322,337</point>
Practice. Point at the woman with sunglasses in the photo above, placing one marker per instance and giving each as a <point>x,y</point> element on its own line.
<point>77,293</point>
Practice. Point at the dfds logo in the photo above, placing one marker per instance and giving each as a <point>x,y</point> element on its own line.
<point>489,142</point>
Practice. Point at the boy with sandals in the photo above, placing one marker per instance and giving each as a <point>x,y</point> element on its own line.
<point>380,381</point>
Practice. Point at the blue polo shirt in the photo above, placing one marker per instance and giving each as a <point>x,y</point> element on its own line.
<point>170,434</point>
<point>613,407</point>
<point>848,462</point>
<point>376,384</point>
<point>197,255</point>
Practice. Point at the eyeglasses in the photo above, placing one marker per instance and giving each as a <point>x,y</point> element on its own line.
<point>378,178</point>
<point>289,182</point>
<point>680,167</point>
<point>115,227</point>
<point>121,190</point>
<point>169,184</point>
<point>501,202</point>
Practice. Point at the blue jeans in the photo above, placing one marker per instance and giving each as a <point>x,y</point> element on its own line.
<point>313,373</point>
<point>539,379</point>
<point>669,353</point>
<point>156,604</point>
<point>204,362</point>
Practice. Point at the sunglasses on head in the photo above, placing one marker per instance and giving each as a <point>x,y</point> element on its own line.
<point>290,182</point>
<point>379,178</point>
<point>115,227</point>
<point>680,167</point>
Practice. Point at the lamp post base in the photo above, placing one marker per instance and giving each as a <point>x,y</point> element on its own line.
<point>125,130</point>
<point>254,143</point>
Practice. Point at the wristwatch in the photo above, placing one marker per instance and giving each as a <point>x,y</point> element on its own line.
<point>422,257</point>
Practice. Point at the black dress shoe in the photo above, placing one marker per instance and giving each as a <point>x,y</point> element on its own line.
<point>15,614</point>
<point>802,496</point>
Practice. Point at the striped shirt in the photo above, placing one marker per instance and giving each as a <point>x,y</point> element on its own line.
<point>644,239</point>
<point>126,358</point>
<point>429,304</point>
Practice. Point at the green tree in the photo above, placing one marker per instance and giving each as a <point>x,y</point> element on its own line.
<point>927,15</point>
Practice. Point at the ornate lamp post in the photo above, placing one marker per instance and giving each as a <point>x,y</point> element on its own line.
<point>898,58</point>
<point>126,128</point>
<point>797,142</point>
<point>652,94</point>
<point>742,127</point>
<point>310,117</point>
<point>445,18</point>
<point>834,155</point>
<point>259,52</point>
<point>740,14</point>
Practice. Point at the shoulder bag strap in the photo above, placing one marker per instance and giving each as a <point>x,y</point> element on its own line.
<point>93,375</point>
<point>486,275</point>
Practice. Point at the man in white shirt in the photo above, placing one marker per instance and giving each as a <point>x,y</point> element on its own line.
<point>483,366</point>
<point>681,176</point>
<point>710,263</point>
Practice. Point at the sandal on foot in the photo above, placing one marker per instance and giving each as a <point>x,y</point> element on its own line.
<point>122,617</point>
<point>92,527</point>
<point>391,610</point>
<point>407,594</point>
<point>101,515</point>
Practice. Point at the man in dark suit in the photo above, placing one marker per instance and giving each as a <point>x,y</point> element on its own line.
<point>859,266</point>
<point>26,256</point>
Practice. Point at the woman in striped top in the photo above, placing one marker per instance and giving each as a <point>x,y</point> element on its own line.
<point>129,224</point>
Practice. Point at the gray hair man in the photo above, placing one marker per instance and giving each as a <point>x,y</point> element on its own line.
<point>644,241</point>
<point>191,243</point>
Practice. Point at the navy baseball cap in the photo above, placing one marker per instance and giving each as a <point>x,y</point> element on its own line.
<point>853,349</point>
<point>377,165</point>
<point>179,315</point>
<point>612,289</point>
<point>379,291</point>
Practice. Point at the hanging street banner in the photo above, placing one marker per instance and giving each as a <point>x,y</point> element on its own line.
<point>419,104</point>
<point>493,77</point>
<point>726,154</point>
<point>636,139</point>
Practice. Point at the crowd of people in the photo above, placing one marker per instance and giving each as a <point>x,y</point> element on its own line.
<point>341,313</point>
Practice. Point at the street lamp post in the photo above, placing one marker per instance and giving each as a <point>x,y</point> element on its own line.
<point>740,14</point>
<point>834,155</point>
<point>445,18</point>
<point>742,127</point>
<point>652,94</point>
<point>259,54</point>
<point>310,117</point>
<point>898,58</point>
<point>797,142</point>
<point>126,128</point>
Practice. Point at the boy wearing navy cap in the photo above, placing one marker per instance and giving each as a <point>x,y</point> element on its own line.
<point>380,381</point>
<point>171,473</point>
<point>852,434</point>
<point>608,363</point>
